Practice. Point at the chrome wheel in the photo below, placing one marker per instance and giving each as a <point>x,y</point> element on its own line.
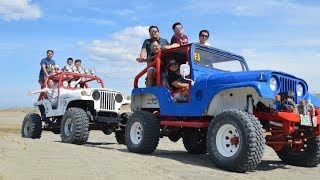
<point>68,127</point>
<point>227,140</point>
<point>27,127</point>
<point>136,133</point>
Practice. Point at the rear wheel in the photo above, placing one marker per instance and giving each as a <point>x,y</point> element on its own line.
<point>235,141</point>
<point>56,130</point>
<point>307,155</point>
<point>120,136</point>
<point>174,134</point>
<point>75,126</point>
<point>194,140</point>
<point>142,132</point>
<point>31,126</point>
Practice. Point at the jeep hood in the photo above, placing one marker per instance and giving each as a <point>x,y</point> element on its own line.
<point>244,76</point>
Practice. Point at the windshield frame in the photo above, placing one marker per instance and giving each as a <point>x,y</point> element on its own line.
<point>219,53</point>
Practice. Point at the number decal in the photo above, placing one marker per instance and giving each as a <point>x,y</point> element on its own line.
<point>197,56</point>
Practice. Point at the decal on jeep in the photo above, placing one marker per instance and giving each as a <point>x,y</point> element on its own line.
<point>197,56</point>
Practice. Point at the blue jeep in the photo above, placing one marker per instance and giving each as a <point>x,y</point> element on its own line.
<point>230,113</point>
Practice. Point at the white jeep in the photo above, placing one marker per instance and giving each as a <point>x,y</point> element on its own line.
<point>80,109</point>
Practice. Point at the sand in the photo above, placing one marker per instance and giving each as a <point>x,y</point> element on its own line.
<point>103,158</point>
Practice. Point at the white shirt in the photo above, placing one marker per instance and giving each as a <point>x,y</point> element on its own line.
<point>52,94</point>
<point>206,43</point>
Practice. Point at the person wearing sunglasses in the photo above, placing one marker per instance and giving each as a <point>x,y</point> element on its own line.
<point>203,37</point>
<point>146,51</point>
<point>179,38</point>
<point>179,86</point>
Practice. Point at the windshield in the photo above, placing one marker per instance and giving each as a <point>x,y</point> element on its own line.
<point>221,62</point>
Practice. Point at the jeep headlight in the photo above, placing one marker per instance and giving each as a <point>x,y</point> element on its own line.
<point>96,95</point>
<point>300,90</point>
<point>65,83</point>
<point>92,71</point>
<point>273,83</point>
<point>119,98</point>
<point>73,84</point>
<point>86,71</point>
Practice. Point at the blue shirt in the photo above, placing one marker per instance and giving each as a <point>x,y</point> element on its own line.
<point>49,63</point>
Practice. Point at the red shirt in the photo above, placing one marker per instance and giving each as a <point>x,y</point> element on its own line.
<point>179,40</point>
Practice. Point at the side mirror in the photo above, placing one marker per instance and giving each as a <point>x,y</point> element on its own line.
<point>184,70</point>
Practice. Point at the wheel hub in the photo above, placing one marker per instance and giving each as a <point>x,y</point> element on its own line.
<point>136,133</point>
<point>68,127</point>
<point>227,140</point>
<point>26,128</point>
<point>234,141</point>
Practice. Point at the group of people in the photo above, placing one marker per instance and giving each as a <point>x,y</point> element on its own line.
<point>150,47</point>
<point>48,66</point>
<point>155,44</point>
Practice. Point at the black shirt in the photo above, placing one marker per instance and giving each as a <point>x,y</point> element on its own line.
<point>172,77</point>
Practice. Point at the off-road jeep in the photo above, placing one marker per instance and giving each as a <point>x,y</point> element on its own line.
<point>80,109</point>
<point>231,112</point>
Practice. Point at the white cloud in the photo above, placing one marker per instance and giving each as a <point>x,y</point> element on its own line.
<point>125,12</point>
<point>288,11</point>
<point>97,21</point>
<point>128,13</point>
<point>18,9</point>
<point>115,57</point>
<point>9,48</point>
<point>303,65</point>
<point>234,7</point>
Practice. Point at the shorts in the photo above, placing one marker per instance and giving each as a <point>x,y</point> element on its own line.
<point>178,97</point>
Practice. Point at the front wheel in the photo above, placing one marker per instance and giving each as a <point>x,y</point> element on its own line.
<point>307,155</point>
<point>31,126</point>
<point>142,132</point>
<point>75,126</point>
<point>235,141</point>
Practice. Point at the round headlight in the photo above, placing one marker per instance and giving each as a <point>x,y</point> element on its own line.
<point>73,84</point>
<point>92,71</point>
<point>86,71</point>
<point>119,98</point>
<point>65,83</point>
<point>273,83</point>
<point>96,95</point>
<point>300,90</point>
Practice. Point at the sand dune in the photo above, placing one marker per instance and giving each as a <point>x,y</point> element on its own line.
<point>103,158</point>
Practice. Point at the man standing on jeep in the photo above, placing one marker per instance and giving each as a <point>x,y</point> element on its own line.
<point>46,67</point>
<point>179,38</point>
<point>146,47</point>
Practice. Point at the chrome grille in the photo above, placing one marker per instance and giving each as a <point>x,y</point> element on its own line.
<point>288,84</point>
<point>107,100</point>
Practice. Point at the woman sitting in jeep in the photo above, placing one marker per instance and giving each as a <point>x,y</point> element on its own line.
<point>178,85</point>
<point>51,91</point>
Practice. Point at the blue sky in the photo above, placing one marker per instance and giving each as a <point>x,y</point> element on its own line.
<point>281,35</point>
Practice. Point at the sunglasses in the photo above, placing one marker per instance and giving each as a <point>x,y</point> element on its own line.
<point>203,35</point>
<point>172,64</point>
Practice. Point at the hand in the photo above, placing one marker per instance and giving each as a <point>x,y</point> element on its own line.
<point>165,47</point>
<point>29,93</point>
<point>140,60</point>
